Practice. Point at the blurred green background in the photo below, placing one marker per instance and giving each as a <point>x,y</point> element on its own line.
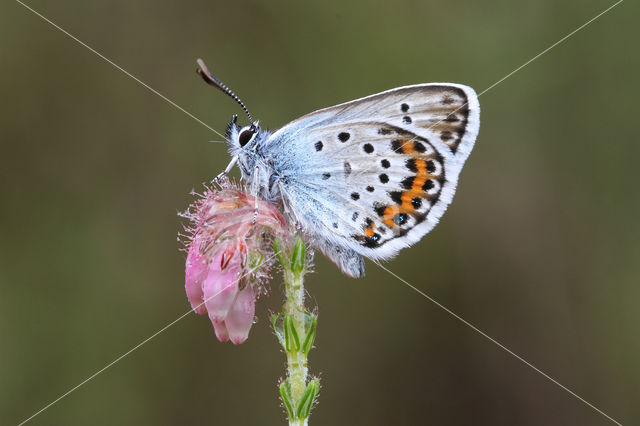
<point>540,248</point>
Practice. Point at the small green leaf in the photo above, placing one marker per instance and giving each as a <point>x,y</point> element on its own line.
<point>285,397</point>
<point>277,322</point>
<point>280,253</point>
<point>308,317</point>
<point>308,399</point>
<point>292,341</point>
<point>298,257</point>
<point>311,336</point>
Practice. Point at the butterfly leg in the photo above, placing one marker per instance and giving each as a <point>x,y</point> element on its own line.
<point>254,192</point>
<point>289,212</point>
<point>226,171</point>
<point>285,204</point>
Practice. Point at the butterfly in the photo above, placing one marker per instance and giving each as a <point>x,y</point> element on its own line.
<point>365,178</point>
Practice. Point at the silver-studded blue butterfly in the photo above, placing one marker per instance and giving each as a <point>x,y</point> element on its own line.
<point>363,178</point>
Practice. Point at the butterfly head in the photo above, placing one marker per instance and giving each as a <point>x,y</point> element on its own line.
<point>242,138</point>
<point>246,144</point>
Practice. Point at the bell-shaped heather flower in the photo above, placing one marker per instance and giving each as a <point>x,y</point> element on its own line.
<point>228,257</point>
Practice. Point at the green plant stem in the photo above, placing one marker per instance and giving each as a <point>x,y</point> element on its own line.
<point>296,359</point>
<point>295,328</point>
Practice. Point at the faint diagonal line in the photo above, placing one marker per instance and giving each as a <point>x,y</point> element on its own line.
<point>515,71</point>
<point>121,69</point>
<point>133,349</point>
<point>458,317</point>
<point>105,367</point>
<point>550,47</point>
<point>387,270</point>
<point>500,345</point>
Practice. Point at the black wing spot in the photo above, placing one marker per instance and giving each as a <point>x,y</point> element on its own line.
<point>343,136</point>
<point>326,176</point>
<point>355,196</point>
<point>400,219</point>
<point>404,107</point>
<point>347,168</point>
<point>407,183</point>
<point>318,146</point>
<point>383,178</point>
<point>354,217</point>
<point>396,146</point>
<point>380,208</point>
<point>385,163</point>
<point>416,203</point>
<point>411,165</point>
<point>418,146</point>
<point>368,148</point>
<point>427,185</point>
<point>335,225</point>
<point>396,196</point>
<point>370,188</point>
<point>406,119</point>
<point>372,241</point>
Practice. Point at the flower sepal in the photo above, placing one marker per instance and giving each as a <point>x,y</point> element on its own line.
<point>308,399</point>
<point>277,323</point>
<point>311,322</point>
<point>287,399</point>
<point>298,257</point>
<point>291,339</point>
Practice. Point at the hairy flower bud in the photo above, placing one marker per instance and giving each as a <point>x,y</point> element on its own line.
<point>229,252</point>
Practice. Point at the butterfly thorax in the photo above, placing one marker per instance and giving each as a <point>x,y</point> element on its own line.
<point>258,170</point>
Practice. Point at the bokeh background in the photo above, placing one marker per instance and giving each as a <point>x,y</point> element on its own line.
<point>540,249</point>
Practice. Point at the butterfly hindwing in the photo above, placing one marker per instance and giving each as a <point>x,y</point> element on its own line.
<point>384,185</point>
<point>374,175</point>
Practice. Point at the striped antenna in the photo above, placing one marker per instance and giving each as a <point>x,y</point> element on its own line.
<point>211,79</point>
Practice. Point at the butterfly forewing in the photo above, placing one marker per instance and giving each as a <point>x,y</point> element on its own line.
<point>376,174</point>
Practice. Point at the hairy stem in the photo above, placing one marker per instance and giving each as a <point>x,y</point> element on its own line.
<point>295,328</point>
<point>296,360</point>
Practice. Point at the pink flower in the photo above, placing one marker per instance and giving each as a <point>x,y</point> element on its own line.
<point>228,257</point>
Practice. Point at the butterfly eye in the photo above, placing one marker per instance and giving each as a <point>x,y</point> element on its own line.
<point>246,135</point>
